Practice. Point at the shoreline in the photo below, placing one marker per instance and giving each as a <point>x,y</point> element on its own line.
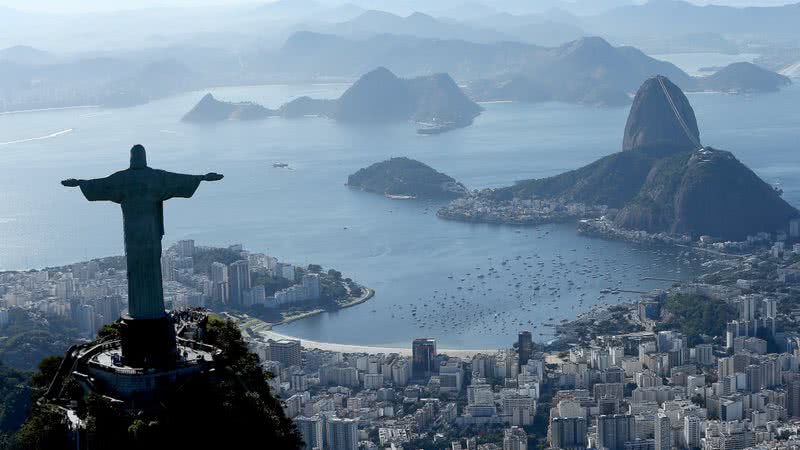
<point>364,297</point>
<point>353,348</point>
<point>54,108</point>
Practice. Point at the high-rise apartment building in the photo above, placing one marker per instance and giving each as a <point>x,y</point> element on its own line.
<point>423,358</point>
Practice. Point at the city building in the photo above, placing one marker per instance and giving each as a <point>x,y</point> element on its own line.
<point>286,351</point>
<point>663,432</point>
<point>524,347</point>
<point>219,282</point>
<point>238,281</point>
<point>423,358</point>
<point>615,430</point>
<point>311,428</point>
<point>341,434</point>
<point>185,248</point>
<point>692,431</point>
<point>515,438</point>
<point>568,433</point>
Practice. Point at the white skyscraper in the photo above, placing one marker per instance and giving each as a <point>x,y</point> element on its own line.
<point>691,431</point>
<point>311,286</point>
<point>312,430</point>
<point>747,307</point>
<point>770,307</point>
<point>663,432</point>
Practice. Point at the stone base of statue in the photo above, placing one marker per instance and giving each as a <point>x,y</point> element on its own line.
<point>149,370</point>
<point>148,343</point>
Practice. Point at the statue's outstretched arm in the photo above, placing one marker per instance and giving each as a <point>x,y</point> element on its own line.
<point>72,182</point>
<point>212,176</point>
<point>99,189</point>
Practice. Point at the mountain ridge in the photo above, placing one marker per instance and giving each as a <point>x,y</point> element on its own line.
<point>377,96</point>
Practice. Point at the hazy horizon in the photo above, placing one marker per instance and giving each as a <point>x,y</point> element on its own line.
<point>94,6</point>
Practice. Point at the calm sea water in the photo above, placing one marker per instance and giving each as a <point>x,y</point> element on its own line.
<point>306,215</point>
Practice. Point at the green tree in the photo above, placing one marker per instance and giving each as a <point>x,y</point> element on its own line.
<point>45,429</point>
<point>695,315</point>
<point>231,406</point>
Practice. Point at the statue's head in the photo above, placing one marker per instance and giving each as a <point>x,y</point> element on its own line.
<point>138,157</point>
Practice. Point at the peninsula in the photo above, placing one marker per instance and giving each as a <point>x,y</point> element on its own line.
<point>664,182</point>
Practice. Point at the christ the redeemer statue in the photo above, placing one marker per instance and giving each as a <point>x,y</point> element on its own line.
<point>141,191</point>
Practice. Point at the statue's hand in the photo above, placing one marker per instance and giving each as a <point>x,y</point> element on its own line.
<point>211,176</point>
<point>72,182</point>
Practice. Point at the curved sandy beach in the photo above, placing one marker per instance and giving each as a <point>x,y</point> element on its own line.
<point>344,348</point>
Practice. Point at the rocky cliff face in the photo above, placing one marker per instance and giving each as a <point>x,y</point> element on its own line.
<point>437,98</point>
<point>661,120</point>
<point>706,192</point>
<point>612,181</point>
<point>377,96</point>
<point>381,96</point>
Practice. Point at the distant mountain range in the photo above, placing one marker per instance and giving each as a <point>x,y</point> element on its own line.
<point>378,96</point>
<point>658,25</point>
<point>25,55</point>
<point>504,50</point>
<point>588,70</point>
<point>494,26</point>
<point>459,9</point>
<point>676,17</point>
<point>417,24</point>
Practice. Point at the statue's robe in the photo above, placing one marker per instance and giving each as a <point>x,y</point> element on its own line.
<point>141,192</point>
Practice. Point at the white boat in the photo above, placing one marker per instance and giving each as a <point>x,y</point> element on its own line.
<point>400,197</point>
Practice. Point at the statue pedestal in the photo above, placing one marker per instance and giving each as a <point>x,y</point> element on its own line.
<point>148,343</point>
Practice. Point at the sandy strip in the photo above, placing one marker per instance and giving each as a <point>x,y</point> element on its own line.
<point>344,348</point>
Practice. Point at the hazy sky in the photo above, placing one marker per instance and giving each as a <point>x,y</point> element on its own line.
<point>110,5</point>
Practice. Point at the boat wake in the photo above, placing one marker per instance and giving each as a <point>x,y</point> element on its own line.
<point>96,114</point>
<point>49,136</point>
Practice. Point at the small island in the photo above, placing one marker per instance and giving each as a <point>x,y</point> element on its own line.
<point>743,78</point>
<point>405,178</point>
<point>434,103</point>
<point>209,109</point>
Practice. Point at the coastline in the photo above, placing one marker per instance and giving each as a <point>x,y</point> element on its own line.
<point>348,348</point>
<point>368,294</point>
<point>258,328</point>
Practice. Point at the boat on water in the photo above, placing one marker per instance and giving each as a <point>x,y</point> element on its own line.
<point>400,197</point>
<point>435,128</point>
<point>280,165</point>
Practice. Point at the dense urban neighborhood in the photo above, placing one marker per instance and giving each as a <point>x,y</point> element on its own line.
<point>709,364</point>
